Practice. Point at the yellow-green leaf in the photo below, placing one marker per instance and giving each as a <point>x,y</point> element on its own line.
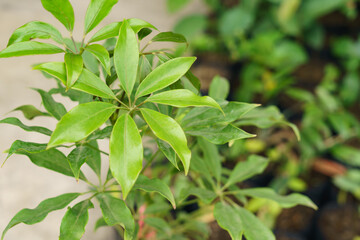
<point>74,67</point>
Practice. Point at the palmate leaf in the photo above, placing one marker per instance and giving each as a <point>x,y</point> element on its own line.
<point>116,212</point>
<point>96,12</point>
<point>74,222</point>
<point>29,48</point>
<point>33,30</point>
<point>80,122</point>
<point>112,30</point>
<point>62,11</point>
<point>32,216</point>
<point>126,153</point>
<point>167,129</point>
<point>126,57</point>
<point>165,75</point>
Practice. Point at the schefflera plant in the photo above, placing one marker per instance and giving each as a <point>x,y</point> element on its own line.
<point>151,97</point>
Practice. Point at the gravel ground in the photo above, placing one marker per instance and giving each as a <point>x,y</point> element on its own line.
<point>22,184</point>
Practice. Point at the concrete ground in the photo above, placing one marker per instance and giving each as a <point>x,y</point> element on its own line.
<point>22,184</point>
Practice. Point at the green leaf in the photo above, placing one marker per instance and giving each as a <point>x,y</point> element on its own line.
<point>30,112</point>
<point>219,88</point>
<point>243,170</point>
<point>208,116</point>
<point>176,5</point>
<point>77,158</point>
<point>165,75</point>
<point>57,110</point>
<point>100,223</point>
<point>34,30</point>
<point>74,67</point>
<point>167,150</point>
<point>212,157</point>
<point>155,185</point>
<point>167,129</point>
<point>94,159</point>
<point>254,229</point>
<point>32,216</point>
<point>284,201</point>
<point>51,159</point>
<point>203,194</point>
<point>116,212</point>
<point>62,11</point>
<point>143,33</point>
<point>101,54</point>
<point>219,133</point>
<point>74,222</point>
<point>112,30</point>
<point>87,82</point>
<point>183,98</point>
<point>80,122</point>
<point>17,122</point>
<point>228,219</point>
<point>101,134</point>
<point>29,48</point>
<point>126,57</point>
<point>159,224</point>
<point>96,12</point>
<point>169,37</point>
<point>126,153</point>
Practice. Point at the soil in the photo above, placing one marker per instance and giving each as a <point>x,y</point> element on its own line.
<point>339,222</point>
<point>295,219</point>
<point>218,233</point>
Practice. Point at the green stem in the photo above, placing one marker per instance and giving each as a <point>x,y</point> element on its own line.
<point>95,148</point>
<point>150,161</point>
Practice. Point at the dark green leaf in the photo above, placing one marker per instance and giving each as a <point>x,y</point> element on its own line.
<point>155,185</point>
<point>169,37</point>
<point>77,158</point>
<point>29,48</point>
<point>126,57</point>
<point>32,216</point>
<point>74,67</point>
<point>143,33</point>
<point>100,223</point>
<point>101,54</point>
<point>167,129</point>
<point>34,30</point>
<point>101,134</point>
<point>96,12</point>
<point>17,122</point>
<point>94,159</point>
<point>167,150</point>
<point>57,110</point>
<point>116,212</point>
<point>203,194</point>
<point>211,156</point>
<point>126,153</point>
<point>243,170</point>
<point>62,11</point>
<point>74,222</point>
<point>165,75</point>
<point>30,112</point>
<point>80,122</point>
<point>228,219</point>
<point>219,88</point>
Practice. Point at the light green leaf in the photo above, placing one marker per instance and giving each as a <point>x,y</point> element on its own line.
<point>211,156</point>
<point>285,201</point>
<point>203,194</point>
<point>74,67</point>
<point>167,150</point>
<point>176,5</point>
<point>80,122</point>
<point>101,54</point>
<point>17,122</point>
<point>56,109</point>
<point>126,57</point>
<point>34,30</point>
<point>219,88</point>
<point>116,212</point>
<point>165,75</point>
<point>62,11</point>
<point>29,48</point>
<point>96,12</point>
<point>112,30</point>
<point>183,98</point>
<point>228,219</point>
<point>159,224</point>
<point>126,153</point>
<point>74,222</point>
<point>155,185</point>
<point>167,129</point>
<point>32,216</point>
<point>219,133</point>
<point>94,159</point>
<point>243,170</point>
<point>77,158</point>
<point>254,229</point>
<point>30,112</point>
<point>55,69</point>
<point>169,37</point>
